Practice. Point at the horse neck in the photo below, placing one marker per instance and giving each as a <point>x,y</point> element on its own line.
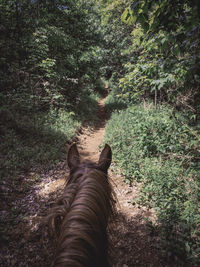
<point>83,235</point>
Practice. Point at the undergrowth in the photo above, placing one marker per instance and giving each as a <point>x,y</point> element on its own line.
<point>33,136</point>
<point>34,139</point>
<point>113,102</point>
<point>158,149</point>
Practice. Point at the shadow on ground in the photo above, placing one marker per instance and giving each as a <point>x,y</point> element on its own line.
<point>24,241</point>
<point>134,245</point>
<point>114,107</point>
<point>32,246</point>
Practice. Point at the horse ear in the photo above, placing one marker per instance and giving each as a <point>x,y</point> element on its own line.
<point>73,158</point>
<point>105,158</point>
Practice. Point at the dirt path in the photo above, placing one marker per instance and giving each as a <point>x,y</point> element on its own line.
<point>89,141</point>
<point>133,242</point>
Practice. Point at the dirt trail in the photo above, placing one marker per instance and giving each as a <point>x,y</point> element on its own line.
<point>29,246</point>
<point>89,141</point>
<point>133,243</point>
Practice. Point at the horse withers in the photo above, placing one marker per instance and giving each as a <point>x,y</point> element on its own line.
<point>83,213</point>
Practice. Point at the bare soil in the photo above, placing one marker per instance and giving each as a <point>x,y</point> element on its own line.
<point>29,244</point>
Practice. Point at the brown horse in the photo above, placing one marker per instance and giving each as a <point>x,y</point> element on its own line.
<point>83,213</point>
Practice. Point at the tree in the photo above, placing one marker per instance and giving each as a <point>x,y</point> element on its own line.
<point>168,54</point>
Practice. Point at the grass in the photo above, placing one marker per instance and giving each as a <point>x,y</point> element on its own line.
<point>160,151</point>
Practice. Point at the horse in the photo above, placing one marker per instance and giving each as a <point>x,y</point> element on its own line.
<point>83,213</point>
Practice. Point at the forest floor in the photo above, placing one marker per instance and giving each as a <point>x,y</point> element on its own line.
<point>29,245</point>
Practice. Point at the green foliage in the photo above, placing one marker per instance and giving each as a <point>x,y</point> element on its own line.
<point>32,145</point>
<point>146,132</point>
<point>35,137</point>
<point>152,70</point>
<point>164,56</point>
<point>43,46</point>
<point>174,194</point>
<point>156,148</point>
<point>100,87</point>
<point>87,108</point>
<point>113,101</point>
<point>155,15</point>
<point>50,67</point>
<point>116,37</point>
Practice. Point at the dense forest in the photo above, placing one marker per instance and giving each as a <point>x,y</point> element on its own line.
<point>59,57</point>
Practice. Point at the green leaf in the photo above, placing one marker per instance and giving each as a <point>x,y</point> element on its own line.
<point>128,17</point>
<point>187,247</point>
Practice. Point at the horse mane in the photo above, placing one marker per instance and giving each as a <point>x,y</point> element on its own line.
<point>80,218</point>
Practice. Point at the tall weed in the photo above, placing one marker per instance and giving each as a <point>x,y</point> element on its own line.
<point>153,147</point>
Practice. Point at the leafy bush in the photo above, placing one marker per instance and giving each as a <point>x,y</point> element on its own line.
<point>153,147</point>
<point>146,132</point>
<point>164,55</point>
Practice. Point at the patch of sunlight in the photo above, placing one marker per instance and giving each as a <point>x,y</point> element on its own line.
<point>50,187</point>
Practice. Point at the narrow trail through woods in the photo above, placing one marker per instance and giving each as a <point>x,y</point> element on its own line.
<point>134,246</point>
<point>30,246</point>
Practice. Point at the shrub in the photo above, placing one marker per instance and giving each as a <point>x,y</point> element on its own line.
<point>155,148</point>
